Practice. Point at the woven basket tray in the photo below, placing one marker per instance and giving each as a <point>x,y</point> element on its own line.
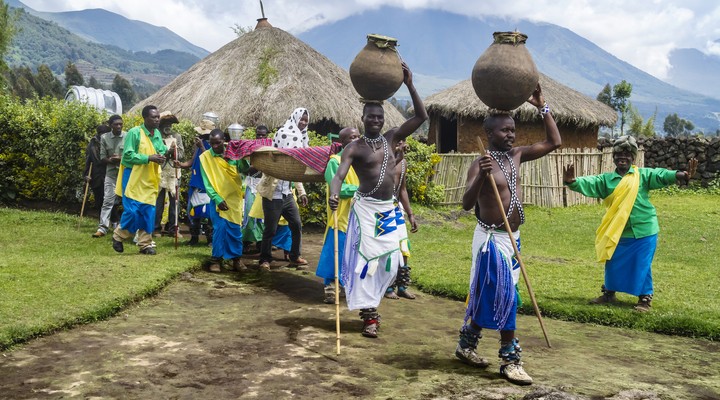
<point>279,165</point>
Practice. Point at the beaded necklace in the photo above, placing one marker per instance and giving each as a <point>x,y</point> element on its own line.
<point>511,177</point>
<point>383,166</point>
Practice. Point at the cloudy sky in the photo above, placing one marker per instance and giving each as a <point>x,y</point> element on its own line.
<point>639,32</point>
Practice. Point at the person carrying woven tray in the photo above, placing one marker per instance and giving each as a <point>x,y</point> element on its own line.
<point>372,256</point>
<point>627,236</point>
<point>277,196</point>
<point>223,183</point>
<point>139,180</point>
<point>399,288</point>
<point>326,263</point>
<point>253,225</point>
<point>494,273</point>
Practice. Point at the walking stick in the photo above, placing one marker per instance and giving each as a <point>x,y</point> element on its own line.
<point>87,185</point>
<point>177,199</point>
<point>517,251</point>
<point>337,282</point>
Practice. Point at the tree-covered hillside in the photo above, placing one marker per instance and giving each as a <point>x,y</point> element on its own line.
<point>42,42</point>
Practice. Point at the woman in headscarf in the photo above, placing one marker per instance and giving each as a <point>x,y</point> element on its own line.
<point>293,133</point>
<point>627,236</point>
<point>277,196</point>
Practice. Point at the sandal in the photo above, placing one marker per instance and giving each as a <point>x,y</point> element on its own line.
<point>370,329</point>
<point>406,295</point>
<point>391,295</point>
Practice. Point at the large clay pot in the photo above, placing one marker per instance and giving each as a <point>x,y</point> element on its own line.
<point>505,75</point>
<point>376,72</point>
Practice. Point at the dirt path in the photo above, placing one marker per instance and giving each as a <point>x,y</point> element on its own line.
<point>214,336</point>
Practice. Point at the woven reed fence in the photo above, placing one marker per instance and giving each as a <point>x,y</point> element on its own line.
<point>541,179</point>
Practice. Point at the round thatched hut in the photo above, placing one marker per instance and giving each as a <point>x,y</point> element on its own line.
<point>261,77</point>
<point>456,117</point>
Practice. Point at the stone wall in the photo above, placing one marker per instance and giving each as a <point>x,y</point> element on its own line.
<point>674,153</point>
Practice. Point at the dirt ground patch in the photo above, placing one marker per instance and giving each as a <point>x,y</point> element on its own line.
<point>220,336</point>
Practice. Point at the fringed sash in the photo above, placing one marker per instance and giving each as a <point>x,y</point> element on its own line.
<point>619,205</point>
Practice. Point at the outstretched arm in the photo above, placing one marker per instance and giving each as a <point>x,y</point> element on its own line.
<point>414,122</point>
<point>552,134</point>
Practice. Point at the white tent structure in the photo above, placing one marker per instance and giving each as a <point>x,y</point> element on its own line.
<point>101,99</point>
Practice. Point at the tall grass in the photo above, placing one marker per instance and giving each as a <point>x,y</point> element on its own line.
<point>558,251</point>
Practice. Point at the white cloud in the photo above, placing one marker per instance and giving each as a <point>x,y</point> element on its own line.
<point>639,32</point>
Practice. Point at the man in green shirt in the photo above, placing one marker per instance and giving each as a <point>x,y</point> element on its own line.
<point>223,183</point>
<point>111,145</point>
<point>138,181</point>
<point>627,236</point>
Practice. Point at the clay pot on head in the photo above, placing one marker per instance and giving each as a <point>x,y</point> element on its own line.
<point>376,72</point>
<point>505,75</point>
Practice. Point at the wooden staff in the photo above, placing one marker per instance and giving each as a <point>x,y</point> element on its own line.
<point>517,251</point>
<point>87,186</point>
<point>337,282</point>
<point>177,199</point>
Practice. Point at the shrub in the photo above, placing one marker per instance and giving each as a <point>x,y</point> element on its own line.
<point>43,152</point>
<point>421,161</point>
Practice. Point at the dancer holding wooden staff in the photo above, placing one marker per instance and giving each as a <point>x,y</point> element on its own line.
<point>493,299</point>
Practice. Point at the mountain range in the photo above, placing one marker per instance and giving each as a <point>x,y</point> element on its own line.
<point>105,27</point>
<point>442,47</point>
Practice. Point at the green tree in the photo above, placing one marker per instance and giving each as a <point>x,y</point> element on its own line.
<point>22,83</point>
<point>46,84</point>
<point>637,127</point>
<point>675,126</point>
<point>72,76</point>
<point>124,89</point>
<point>605,95</point>
<point>94,83</point>
<point>618,98</point>
<point>7,31</point>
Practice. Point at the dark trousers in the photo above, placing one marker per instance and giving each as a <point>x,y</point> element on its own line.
<point>160,207</point>
<point>273,210</point>
<point>99,195</point>
<point>199,226</point>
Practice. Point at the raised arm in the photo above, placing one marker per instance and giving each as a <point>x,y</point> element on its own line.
<point>552,134</point>
<point>414,122</point>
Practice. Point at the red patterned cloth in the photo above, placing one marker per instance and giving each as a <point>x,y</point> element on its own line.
<point>315,157</point>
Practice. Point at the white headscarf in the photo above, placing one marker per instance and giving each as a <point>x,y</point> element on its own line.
<point>290,136</point>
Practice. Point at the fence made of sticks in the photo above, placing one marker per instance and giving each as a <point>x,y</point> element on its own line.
<point>541,179</point>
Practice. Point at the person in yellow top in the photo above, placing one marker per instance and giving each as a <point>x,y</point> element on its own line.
<point>223,183</point>
<point>326,264</point>
<point>139,180</point>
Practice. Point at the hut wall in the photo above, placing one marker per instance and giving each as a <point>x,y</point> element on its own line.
<point>468,131</point>
<point>434,130</point>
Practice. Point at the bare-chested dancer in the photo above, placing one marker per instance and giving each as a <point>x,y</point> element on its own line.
<point>372,254</point>
<point>494,272</point>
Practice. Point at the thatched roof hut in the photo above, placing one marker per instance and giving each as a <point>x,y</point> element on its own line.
<point>456,116</point>
<point>261,77</point>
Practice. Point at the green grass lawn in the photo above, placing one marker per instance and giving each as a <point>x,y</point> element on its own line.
<point>53,276</point>
<point>558,252</point>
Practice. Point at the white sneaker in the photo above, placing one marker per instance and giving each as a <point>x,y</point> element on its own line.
<point>516,374</point>
<point>470,357</point>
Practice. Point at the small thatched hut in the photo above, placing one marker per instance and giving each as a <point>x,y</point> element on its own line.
<point>456,117</point>
<point>261,77</point>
